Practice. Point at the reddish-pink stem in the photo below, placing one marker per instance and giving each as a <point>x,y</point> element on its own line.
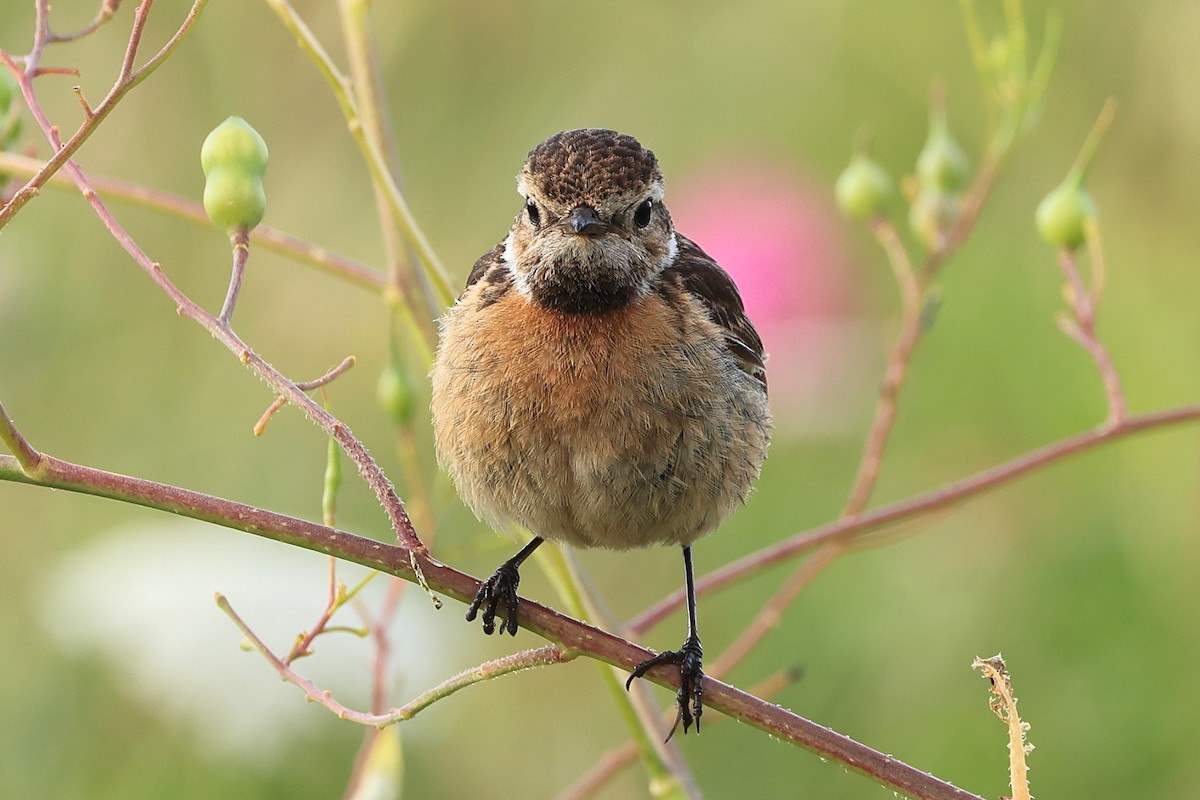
<point>1083,331</point>
<point>570,636</point>
<point>918,506</point>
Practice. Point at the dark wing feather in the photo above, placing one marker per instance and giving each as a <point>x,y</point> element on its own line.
<point>696,272</point>
<point>489,260</point>
<point>491,270</point>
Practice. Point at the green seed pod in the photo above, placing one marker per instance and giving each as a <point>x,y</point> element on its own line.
<point>234,158</point>
<point>235,145</point>
<point>942,164</point>
<point>1063,214</point>
<point>234,200</point>
<point>932,214</point>
<point>396,393</point>
<point>862,188</point>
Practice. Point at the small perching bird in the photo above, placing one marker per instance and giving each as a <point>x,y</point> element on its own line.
<point>597,381</point>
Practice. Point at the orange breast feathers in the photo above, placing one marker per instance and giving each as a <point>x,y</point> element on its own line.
<point>622,429</point>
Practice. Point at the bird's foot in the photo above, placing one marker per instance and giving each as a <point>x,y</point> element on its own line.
<point>500,588</point>
<point>689,700</point>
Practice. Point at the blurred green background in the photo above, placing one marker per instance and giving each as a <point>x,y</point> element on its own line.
<point>1084,574</point>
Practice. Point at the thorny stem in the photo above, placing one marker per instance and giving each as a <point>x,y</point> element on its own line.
<point>1004,704</point>
<point>576,638</point>
<point>570,636</point>
<point>308,386</point>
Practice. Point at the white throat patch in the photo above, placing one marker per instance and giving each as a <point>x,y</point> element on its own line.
<point>518,277</point>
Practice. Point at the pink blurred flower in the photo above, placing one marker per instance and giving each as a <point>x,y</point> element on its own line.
<point>779,239</point>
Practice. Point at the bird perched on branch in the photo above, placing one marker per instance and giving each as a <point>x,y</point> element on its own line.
<point>597,381</point>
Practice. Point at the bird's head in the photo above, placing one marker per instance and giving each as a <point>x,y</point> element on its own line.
<point>593,231</point>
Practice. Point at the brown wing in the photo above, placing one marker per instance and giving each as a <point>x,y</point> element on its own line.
<point>491,270</point>
<point>697,273</point>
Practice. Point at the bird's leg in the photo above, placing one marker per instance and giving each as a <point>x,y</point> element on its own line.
<point>502,587</point>
<point>688,658</point>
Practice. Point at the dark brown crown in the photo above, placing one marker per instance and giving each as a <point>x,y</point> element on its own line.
<point>589,165</point>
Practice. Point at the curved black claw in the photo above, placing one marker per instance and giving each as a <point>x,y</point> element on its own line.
<point>689,699</point>
<point>501,587</point>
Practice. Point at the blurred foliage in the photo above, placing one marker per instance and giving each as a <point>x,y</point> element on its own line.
<point>1083,575</point>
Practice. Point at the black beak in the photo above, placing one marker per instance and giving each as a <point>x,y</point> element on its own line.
<point>583,221</point>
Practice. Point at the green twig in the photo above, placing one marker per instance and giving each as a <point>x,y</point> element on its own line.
<point>526,659</point>
<point>375,160</point>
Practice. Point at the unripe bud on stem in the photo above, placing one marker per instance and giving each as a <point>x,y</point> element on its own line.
<point>234,159</point>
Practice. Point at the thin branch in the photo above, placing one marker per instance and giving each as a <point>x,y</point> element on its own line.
<point>1004,704</point>
<point>241,253</point>
<point>1083,330</point>
<point>918,506</point>
<point>526,659</point>
<point>613,761</point>
<point>771,613</point>
<point>896,370</point>
<point>126,80</point>
<point>279,402</point>
<point>263,236</point>
<point>571,637</point>
<point>220,330</point>
<point>375,160</point>
<point>140,15</point>
<point>328,377</point>
<point>370,94</point>
<point>260,427</point>
<point>972,207</point>
<point>107,9</point>
<point>26,454</point>
<point>383,644</point>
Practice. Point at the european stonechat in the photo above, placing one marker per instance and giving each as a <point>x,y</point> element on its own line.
<point>597,381</point>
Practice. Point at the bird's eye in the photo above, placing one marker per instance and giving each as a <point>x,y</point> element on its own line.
<point>535,216</point>
<point>641,216</point>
